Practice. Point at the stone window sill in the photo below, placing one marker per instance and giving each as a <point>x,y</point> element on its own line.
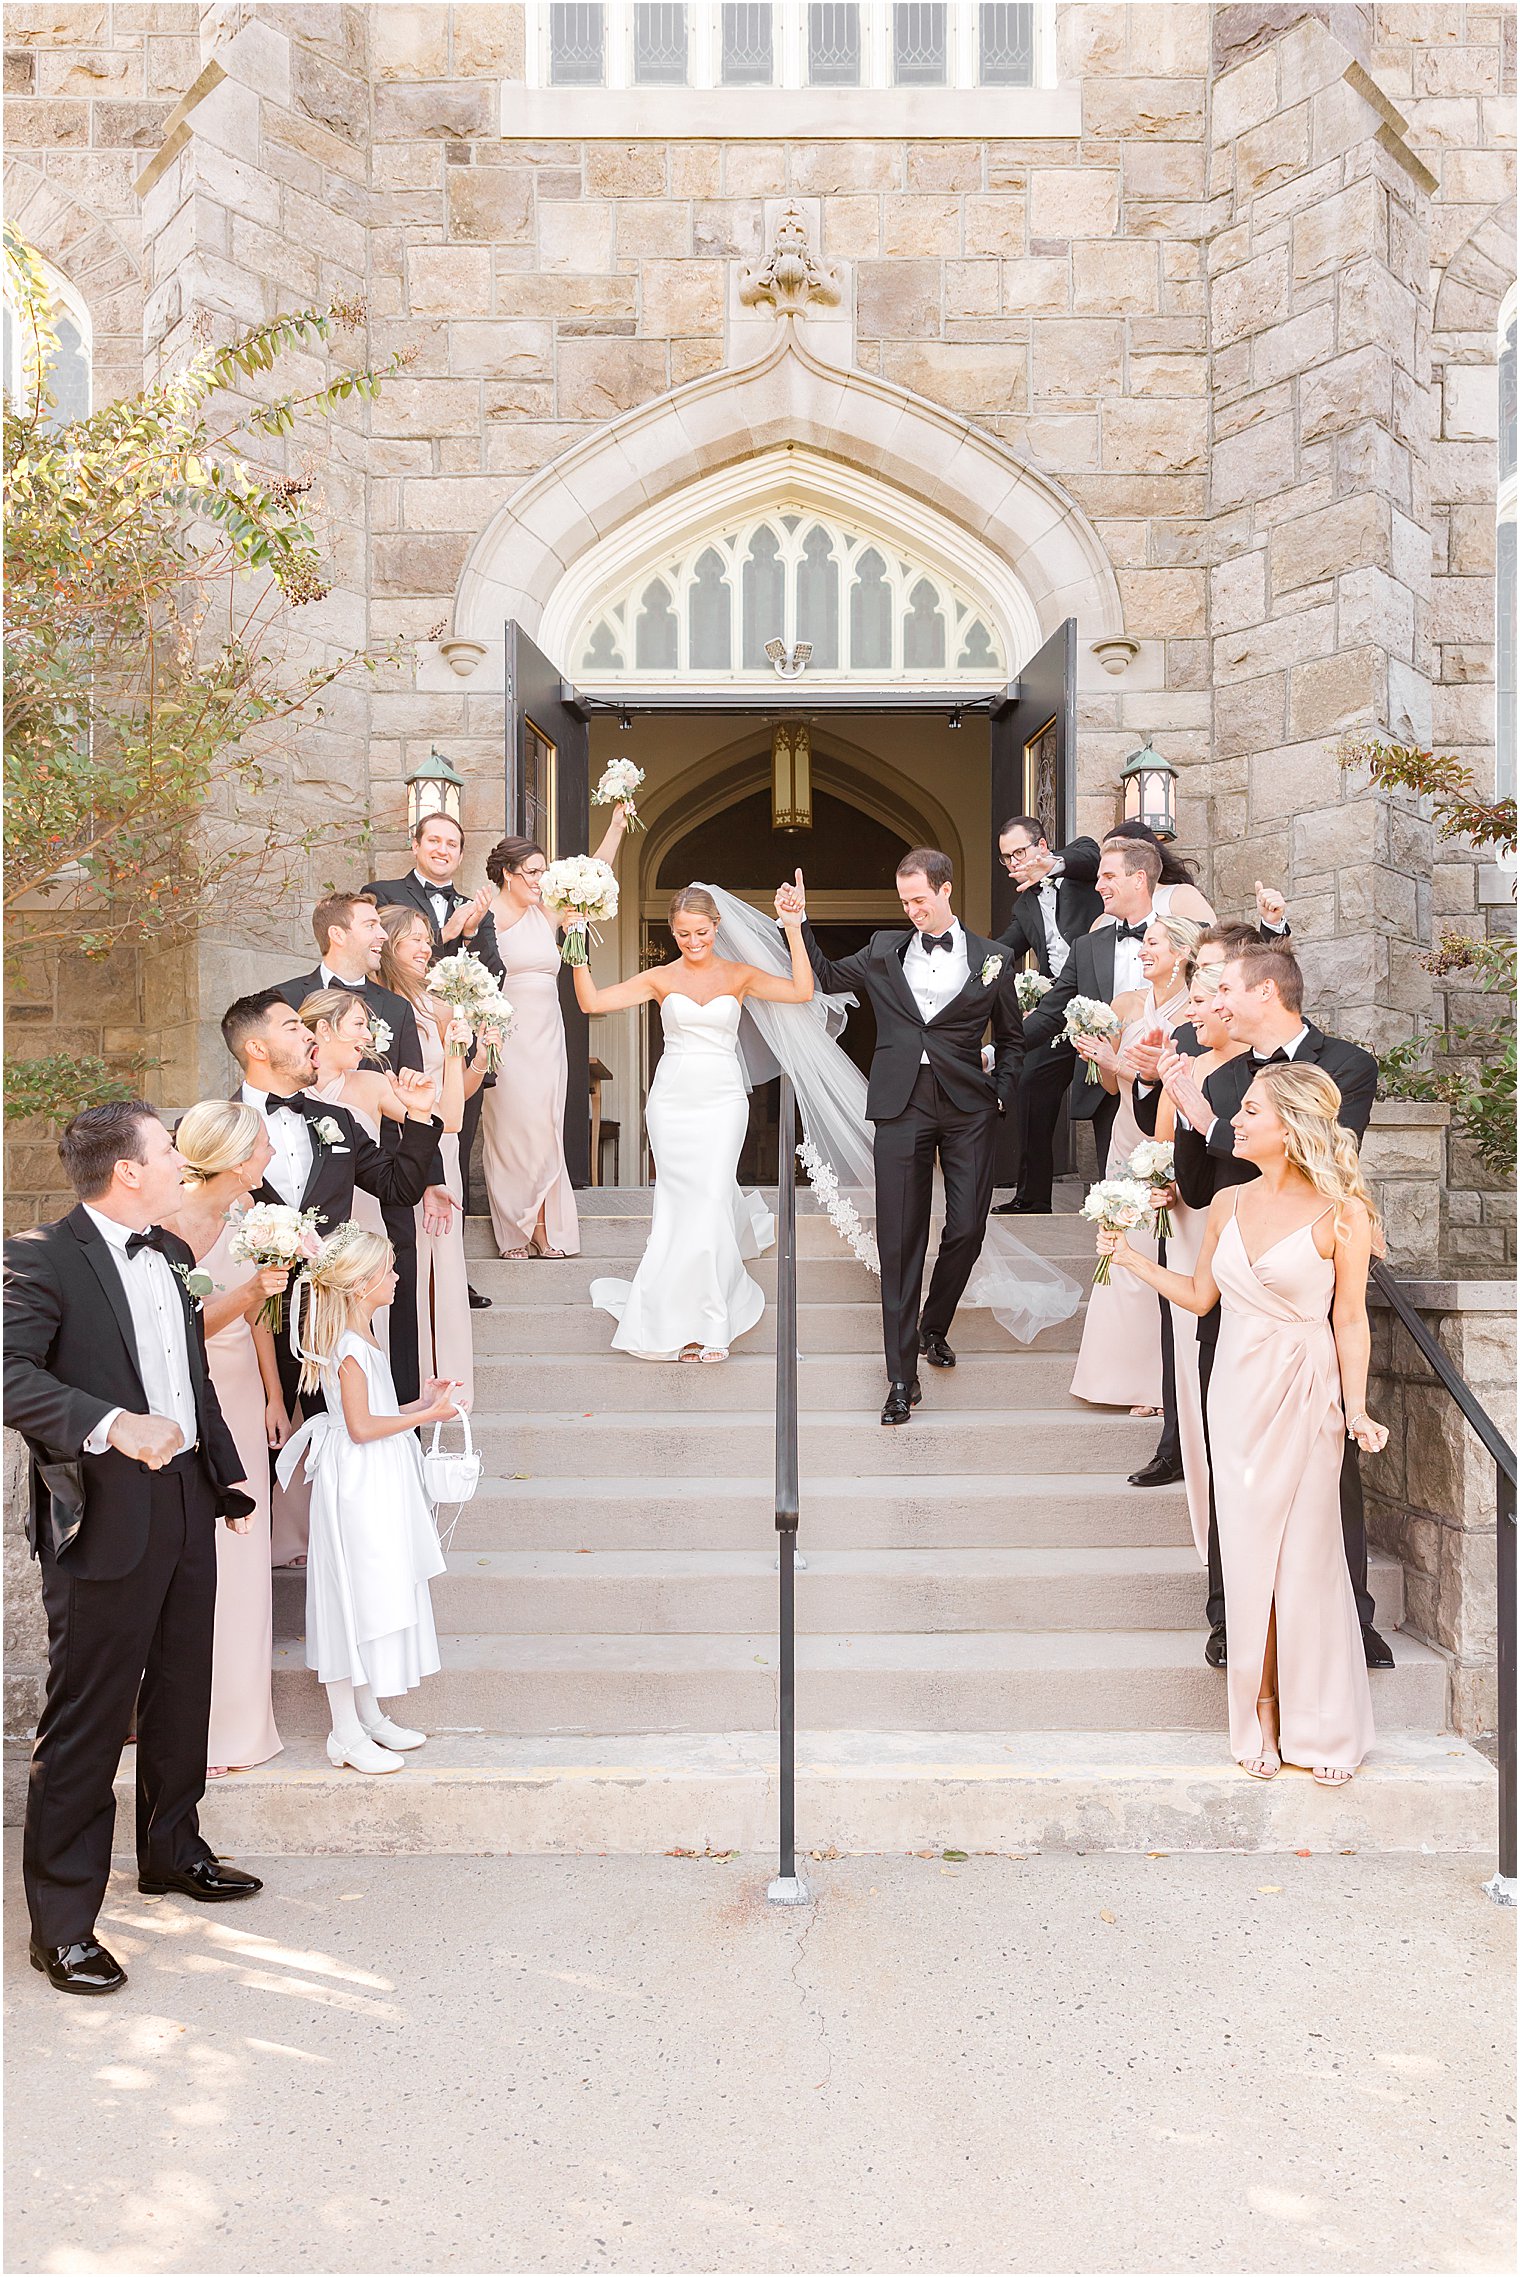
<point>789,114</point>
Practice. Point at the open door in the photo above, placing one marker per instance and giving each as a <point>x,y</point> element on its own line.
<point>1034,771</point>
<point>1034,753</point>
<point>549,798</point>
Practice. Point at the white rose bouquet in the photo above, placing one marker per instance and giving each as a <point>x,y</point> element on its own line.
<point>1029,987</point>
<point>274,1234</point>
<point>1117,1205</point>
<point>616,788</point>
<point>584,892</point>
<point>469,989</point>
<point>1089,1016</point>
<point>1154,1164</point>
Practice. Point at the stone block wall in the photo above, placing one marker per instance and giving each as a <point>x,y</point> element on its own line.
<point>1430,1494</point>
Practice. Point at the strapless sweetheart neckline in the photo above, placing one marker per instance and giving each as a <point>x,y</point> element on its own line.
<point>702,1003</point>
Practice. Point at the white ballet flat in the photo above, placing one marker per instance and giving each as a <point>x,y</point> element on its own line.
<point>398,1737</point>
<point>360,1755</point>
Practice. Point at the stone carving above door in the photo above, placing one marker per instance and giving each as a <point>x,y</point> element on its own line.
<point>791,281</point>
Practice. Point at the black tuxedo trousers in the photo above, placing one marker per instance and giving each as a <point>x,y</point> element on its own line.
<point>906,1146</point>
<point>142,1637</point>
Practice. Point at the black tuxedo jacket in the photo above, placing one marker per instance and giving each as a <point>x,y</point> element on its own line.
<point>1078,903</point>
<point>386,1005</point>
<point>1089,972</point>
<point>70,1357</point>
<point>415,894</point>
<point>1206,1167</point>
<point>952,1039</point>
<point>397,1176</point>
<point>406,1044</point>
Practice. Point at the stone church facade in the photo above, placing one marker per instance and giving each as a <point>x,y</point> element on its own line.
<point>1192,338</point>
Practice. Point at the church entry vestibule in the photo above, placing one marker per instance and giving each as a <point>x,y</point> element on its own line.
<point>743,785</point>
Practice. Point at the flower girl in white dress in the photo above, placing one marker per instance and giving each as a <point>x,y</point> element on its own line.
<point>374,1546</point>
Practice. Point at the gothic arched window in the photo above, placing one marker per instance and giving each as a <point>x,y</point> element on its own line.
<point>68,372</point>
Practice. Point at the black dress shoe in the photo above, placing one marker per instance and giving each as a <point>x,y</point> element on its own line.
<point>901,1401</point>
<point>935,1350</point>
<point>1376,1648</point>
<point>1214,1651</point>
<point>83,1967</point>
<point>1006,1209</point>
<point>209,1880</point>
<point>1157,1472</point>
<point>478,1303</point>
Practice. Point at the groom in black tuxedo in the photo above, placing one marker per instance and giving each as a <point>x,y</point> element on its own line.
<point>312,1170</point>
<point>1057,902</point>
<point>132,1465</point>
<point>934,990</point>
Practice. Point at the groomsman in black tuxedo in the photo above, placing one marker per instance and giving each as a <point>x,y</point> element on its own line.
<point>453,917</point>
<point>1260,1000</point>
<point>313,1169</point>
<point>1102,964</point>
<point>132,1465</point>
<point>934,989</point>
<point>350,937</point>
<point>1058,900</point>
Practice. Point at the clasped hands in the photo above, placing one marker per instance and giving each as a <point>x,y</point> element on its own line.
<point>791,902</point>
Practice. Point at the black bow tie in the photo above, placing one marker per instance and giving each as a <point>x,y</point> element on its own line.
<point>1129,932</point>
<point>153,1237</point>
<point>938,940</point>
<point>297,1102</point>
<point>1279,1058</point>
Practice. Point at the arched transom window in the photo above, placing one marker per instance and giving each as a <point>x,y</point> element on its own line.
<point>68,372</point>
<point>712,608</point>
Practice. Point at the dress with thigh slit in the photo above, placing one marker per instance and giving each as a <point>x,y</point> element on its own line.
<point>1278,1434</point>
<point>522,1123</point>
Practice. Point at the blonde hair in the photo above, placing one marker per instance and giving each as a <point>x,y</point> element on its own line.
<point>1183,934</point>
<point>1315,1141</point>
<point>398,918</point>
<point>214,1135</point>
<point>333,1005</point>
<point>347,1262</point>
<point>693,901</point>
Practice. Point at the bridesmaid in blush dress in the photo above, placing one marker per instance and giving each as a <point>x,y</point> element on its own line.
<point>445,1336</point>
<point>351,1073</point>
<point>1286,1256</point>
<point>1119,1360</point>
<point>226,1150</point>
<point>522,1122</point>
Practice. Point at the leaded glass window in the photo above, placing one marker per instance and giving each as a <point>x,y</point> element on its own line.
<point>834,46</point>
<point>659,46</point>
<point>577,45</point>
<point>748,53</point>
<point>787,573</point>
<point>921,43</point>
<point>1005,46</point>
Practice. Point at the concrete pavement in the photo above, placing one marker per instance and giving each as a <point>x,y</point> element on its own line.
<point>1056,2062</point>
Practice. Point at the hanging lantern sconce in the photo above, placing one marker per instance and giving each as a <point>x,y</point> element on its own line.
<point>1146,780</point>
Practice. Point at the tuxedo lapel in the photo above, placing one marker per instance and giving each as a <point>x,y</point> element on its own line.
<point>103,1266</point>
<point>1104,951</point>
<point>977,953</point>
<point>897,979</point>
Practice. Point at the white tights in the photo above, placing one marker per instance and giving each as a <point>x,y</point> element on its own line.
<point>352,1707</point>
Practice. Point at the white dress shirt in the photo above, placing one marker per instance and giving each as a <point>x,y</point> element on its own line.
<point>158,1327</point>
<point>438,895</point>
<point>1057,947</point>
<point>1260,1059</point>
<point>1127,972</point>
<point>290,1136</point>
<point>936,976</point>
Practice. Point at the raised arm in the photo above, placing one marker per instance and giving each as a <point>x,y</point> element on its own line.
<point>770,987</point>
<point>612,837</point>
<point>399,1180</point>
<point>1197,1292</point>
<point>623,993</point>
<point>839,975</point>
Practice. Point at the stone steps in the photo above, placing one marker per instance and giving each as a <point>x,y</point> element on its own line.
<point>746,1383</point>
<point>1007,1680</point>
<point>619,1512</point>
<point>632,1593</point>
<point>517,1327</point>
<point>990,1790</point>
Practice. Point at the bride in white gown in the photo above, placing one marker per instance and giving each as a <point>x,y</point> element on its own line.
<point>691,1297</point>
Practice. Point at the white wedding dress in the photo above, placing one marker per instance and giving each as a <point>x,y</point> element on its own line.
<point>691,1286</point>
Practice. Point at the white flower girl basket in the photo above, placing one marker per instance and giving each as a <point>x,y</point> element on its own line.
<point>451,1476</point>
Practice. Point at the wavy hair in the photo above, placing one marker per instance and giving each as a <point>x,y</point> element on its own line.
<point>1317,1144</point>
<point>348,1261</point>
<point>398,918</point>
<point>216,1135</point>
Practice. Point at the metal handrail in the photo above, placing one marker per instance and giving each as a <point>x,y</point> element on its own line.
<point>1494,1443</point>
<point>787,1889</point>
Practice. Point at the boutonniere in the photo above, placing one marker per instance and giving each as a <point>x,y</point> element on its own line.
<point>196,1284</point>
<point>330,1131</point>
<point>991,967</point>
<point>380,1036</point>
